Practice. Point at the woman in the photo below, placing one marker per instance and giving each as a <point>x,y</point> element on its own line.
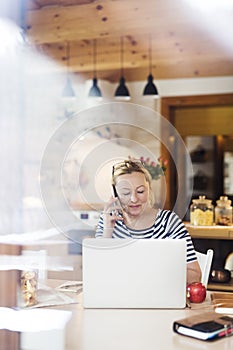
<point>131,214</point>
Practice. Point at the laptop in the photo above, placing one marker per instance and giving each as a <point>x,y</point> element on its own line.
<point>134,273</point>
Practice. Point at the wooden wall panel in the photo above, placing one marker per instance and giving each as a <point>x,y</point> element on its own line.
<point>204,120</point>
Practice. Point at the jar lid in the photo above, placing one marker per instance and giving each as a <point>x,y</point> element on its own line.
<point>202,200</point>
<point>224,201</point>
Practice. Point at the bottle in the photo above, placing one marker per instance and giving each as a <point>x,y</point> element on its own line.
<point>223,211</point>
<point>202,212</point>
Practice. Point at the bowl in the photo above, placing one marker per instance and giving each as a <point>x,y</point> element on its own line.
<point>220,275</point>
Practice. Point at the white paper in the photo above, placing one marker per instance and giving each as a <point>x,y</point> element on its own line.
<point>71,286</point>
<point>33,320</point>
<point>47,296</point>
<point>224,310</point>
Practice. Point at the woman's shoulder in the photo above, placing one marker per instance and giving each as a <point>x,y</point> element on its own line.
<point>166,212</point>
<point>162,213</point>
<point>167,215</point>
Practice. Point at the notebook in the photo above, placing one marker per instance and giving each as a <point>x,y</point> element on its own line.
<point>134,273</point>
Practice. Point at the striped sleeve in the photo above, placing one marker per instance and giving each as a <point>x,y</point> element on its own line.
<point>119,231</point>
<point>100,227</point>
<point>175,228</point>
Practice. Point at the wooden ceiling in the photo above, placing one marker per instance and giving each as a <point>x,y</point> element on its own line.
<point>186,42</point>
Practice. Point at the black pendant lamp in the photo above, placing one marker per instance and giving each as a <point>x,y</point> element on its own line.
<point>95,90</point>
<point>122,91</point>
<point>150,88</point>
<point>68,91</point>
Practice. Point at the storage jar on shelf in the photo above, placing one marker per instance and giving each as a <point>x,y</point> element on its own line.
<point>223,211</point>
<point>202,212</point>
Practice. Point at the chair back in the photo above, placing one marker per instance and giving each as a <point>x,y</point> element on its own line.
<point>229,263</point>
<point>205,261</point>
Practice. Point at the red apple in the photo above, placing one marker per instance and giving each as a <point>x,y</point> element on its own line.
<point>196,292</point>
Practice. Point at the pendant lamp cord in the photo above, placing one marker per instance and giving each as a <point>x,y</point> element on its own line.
<point>122,55</point>
<point>94,58</point>
<point>150,55</point>
<point>67,56</point>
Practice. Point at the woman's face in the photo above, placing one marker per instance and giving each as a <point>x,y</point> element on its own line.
<point>133,192</point>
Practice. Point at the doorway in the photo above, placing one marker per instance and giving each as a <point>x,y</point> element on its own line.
<point>205,116</point>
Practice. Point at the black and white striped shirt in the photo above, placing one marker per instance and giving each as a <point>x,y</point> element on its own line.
<point>167,225</point>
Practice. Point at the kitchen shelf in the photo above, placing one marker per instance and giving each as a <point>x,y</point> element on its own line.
<point>227,287</point>
<point>210,232</point>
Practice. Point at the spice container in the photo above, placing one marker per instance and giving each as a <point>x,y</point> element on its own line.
<point>223,211</point>
<point>202,212</point>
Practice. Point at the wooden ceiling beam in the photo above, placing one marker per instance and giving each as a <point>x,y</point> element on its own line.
<point>181,44</point>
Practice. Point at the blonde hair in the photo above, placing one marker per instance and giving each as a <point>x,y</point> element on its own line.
<point>129,167</point>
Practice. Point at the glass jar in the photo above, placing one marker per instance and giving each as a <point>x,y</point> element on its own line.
<point>202,212</point>
<point>28,288</point>
<point>223,211</point>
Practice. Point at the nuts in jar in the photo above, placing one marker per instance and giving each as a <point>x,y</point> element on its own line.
<point>28,287</point>
<point>223,211</point>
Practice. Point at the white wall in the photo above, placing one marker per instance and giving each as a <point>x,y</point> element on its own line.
<point>169,88</point>
<point>190,86</point>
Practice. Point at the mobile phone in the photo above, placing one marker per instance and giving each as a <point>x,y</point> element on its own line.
<point>116,211</point>
<point>114,191</point>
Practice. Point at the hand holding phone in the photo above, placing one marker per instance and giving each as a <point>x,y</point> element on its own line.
<point>118,210</point>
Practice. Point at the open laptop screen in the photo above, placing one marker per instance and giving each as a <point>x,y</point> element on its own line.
<point>130,273</point>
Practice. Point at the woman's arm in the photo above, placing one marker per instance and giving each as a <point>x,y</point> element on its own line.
<point>176,228</point>
<point>193,272</point>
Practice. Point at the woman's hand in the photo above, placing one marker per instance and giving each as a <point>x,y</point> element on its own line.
<point>111,214</point>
